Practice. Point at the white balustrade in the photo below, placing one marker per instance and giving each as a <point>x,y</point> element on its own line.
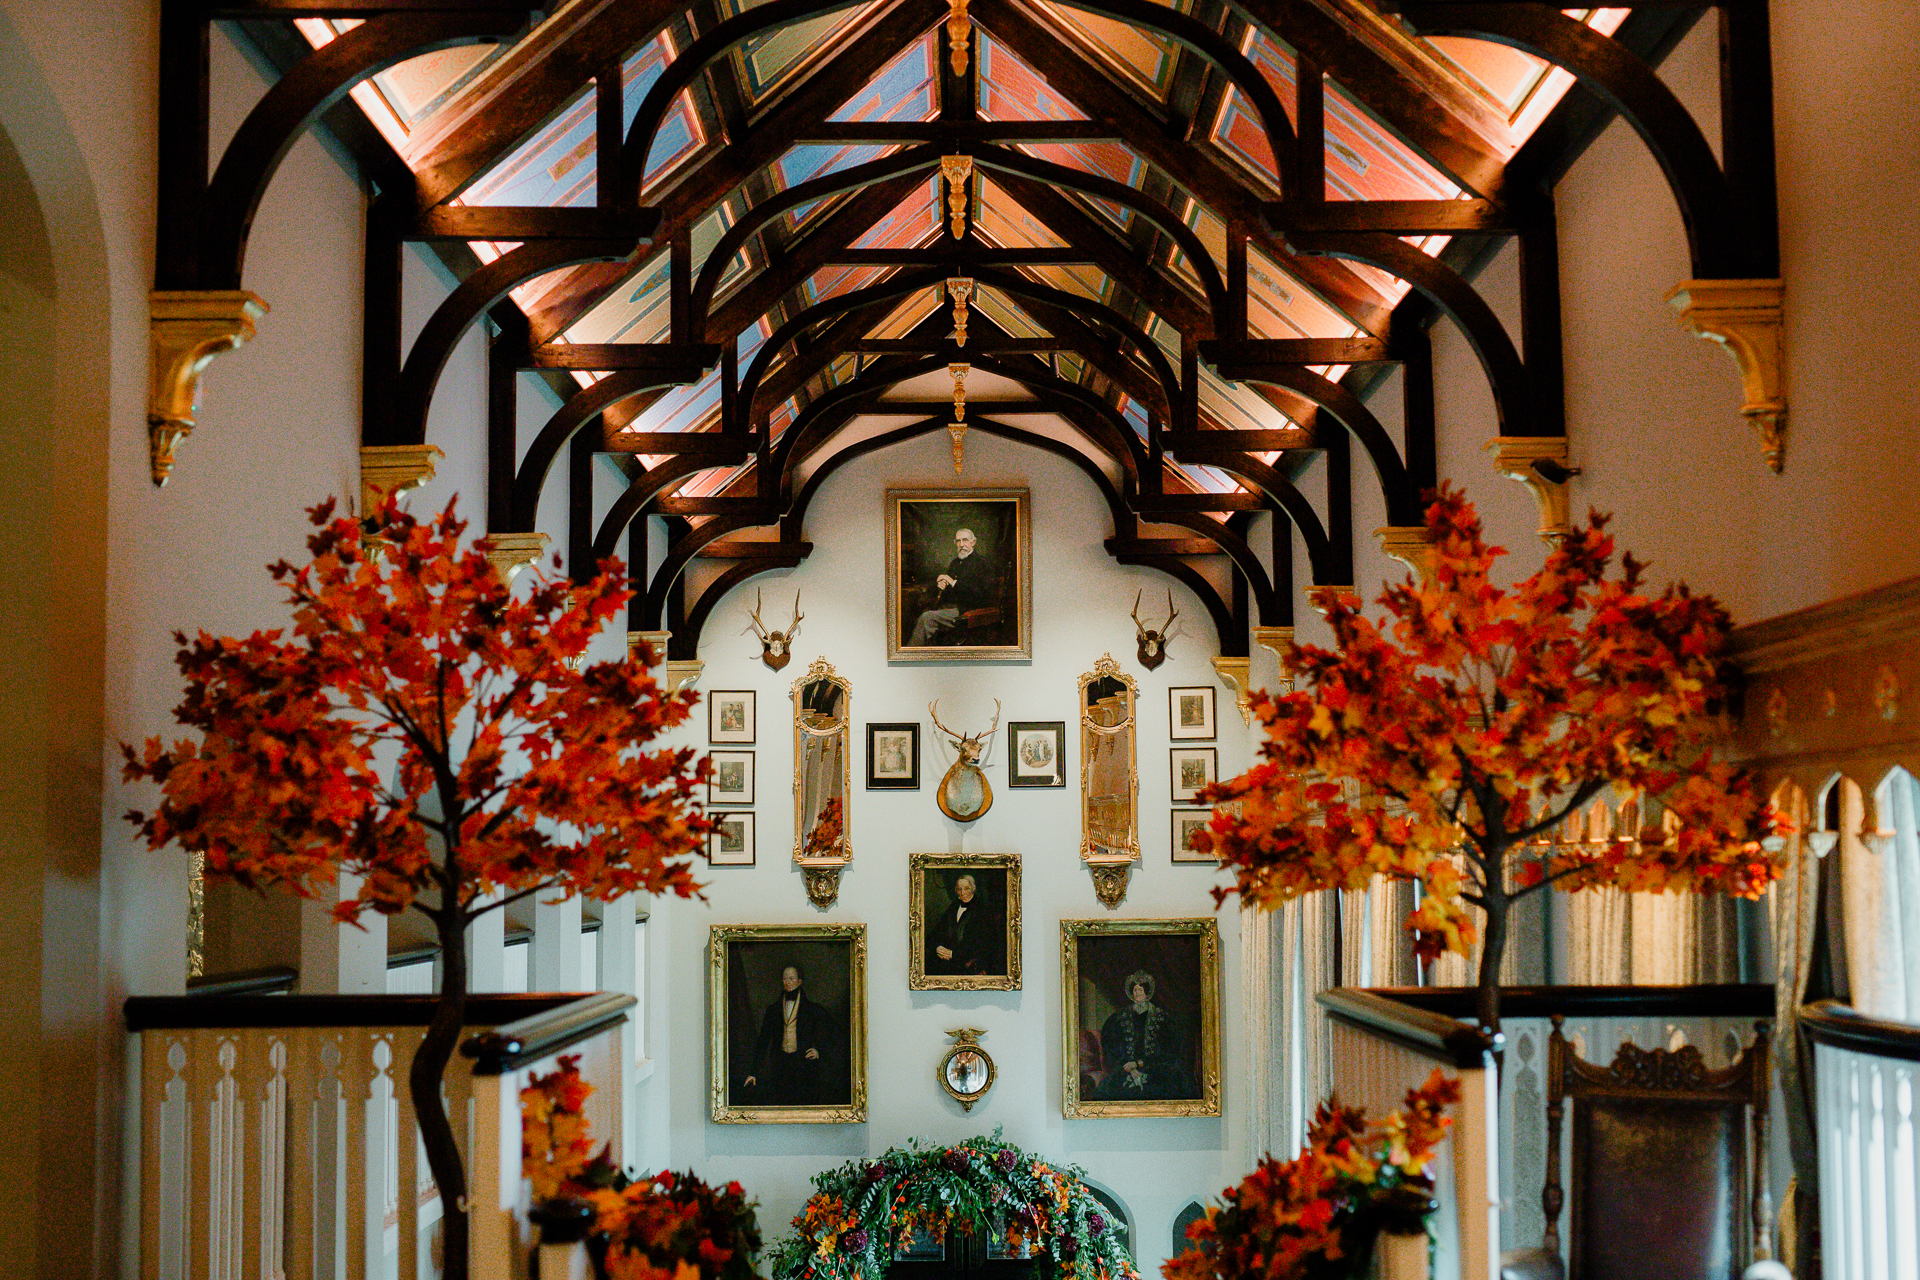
<point>1869,1164</point>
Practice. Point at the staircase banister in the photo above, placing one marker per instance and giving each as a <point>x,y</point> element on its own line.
<point>513,1045</point>
<point>1841,1026</point>
<point>1706,1000</point>
<point>155,1013</point>
<point>1434,1035</point>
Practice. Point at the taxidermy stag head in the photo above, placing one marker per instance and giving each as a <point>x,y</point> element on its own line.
<point>963,794</point>
<point>776,647</point>
<point>1153,641</point>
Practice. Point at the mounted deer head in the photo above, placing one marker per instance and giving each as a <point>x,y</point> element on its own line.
<point>1153,641</point>
<point>776,647</point>
<point>963,794</point>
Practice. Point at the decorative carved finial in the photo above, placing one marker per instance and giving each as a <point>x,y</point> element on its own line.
<point>958,171</point>
<point>958,30</point>
<point>1540,463</point>
<point>823,885</point>
<point>186,329</point>
<point>1237,674</point>
<point>958,429</point>
<point>1110,882</point>
<point>509,553</point>
<point>1279,641</point>
<point>1746,317</point>
<point>393,468</point>
<point>1411,545</point>
<point>655,642</point>
<point>960,288</point>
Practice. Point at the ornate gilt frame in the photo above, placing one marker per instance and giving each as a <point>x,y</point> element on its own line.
<point>822,872</point>
<point>1022,649</point>
<point>1208,1103</point>
<point>917,977</point>
<point>1110,864</point>
<point>718,938</point>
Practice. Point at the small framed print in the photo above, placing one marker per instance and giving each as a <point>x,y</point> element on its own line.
<point>1037,753</point>
<point>731,781</point>
<point>1193,768</point>
<point>893,757</point>
<point>731,844</point>
<point>1185,823</point>
<point>1190,713</point>
<point>730,715</point>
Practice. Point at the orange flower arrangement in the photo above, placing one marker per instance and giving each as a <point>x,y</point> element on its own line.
<point>1314,1217</point>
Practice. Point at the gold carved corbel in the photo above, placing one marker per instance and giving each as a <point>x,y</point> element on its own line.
<point>656,646</point>
<point>682,673</point>
<point>1278,641</point>
<point>1237,674</point>
<point>387,469</point>
<point>957,33</point>
<point>1411,545</point>
<point>823,884</point>
<point>1746,317</point>
<point>958,171</point>
<point>960,289</point>
<point>509,553</point>
<point>186,329</point>
<point>959,428</point>
<point>1540,463</point>
<point>1110,881</point>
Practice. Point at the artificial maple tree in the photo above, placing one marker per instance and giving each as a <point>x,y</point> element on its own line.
<point>426,731</point>
<point>1439,745</point>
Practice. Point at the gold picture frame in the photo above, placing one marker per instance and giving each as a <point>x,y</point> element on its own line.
<point>747,967</point>
<point>1171,1048</point>
<point>939,613</point>
<point>992,960</point>
<point>1109,778</point>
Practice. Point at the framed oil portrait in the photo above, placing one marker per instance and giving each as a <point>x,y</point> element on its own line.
<point>959,575</point>
<point>1140,1017</point>
<point>893,757</point>
<point>1037,753</point>
<point>1193,768</point>
<point>731,781</point>
<point>963,922</point>
<point>731,844</point>
<point>787,1023</point>
<point>730,716</point>
<point>1185,823</point>
<point>1190,713</point>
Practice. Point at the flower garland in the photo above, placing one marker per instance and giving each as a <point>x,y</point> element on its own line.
<point>1315,1217</point>
<point>859,1212</point>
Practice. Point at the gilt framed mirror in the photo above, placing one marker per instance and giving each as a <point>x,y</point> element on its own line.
<point>1109,778</point>
<point>821,779</point>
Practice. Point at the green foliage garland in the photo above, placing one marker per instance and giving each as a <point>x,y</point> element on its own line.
<point>859,1212</point>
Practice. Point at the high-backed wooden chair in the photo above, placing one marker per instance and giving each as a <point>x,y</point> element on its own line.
<point>1669,1166</point>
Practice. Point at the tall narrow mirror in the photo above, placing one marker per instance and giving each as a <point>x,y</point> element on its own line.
<point>820,780</point>
<point>1109,779</point>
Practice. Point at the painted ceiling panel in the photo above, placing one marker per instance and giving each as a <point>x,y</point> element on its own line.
<point>903,91</point>
<point>913,222</point>
<point>1006,222</point>
<point>1012,90</point>
<point>1146,58</point>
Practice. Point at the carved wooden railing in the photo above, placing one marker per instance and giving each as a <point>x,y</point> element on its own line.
<point>1866,1074</point>
<point>277,1136</point>
<point>1386,1039</point>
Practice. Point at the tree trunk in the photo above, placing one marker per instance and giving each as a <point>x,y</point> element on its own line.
<point>423,1084</point>
<point>1493,947</point>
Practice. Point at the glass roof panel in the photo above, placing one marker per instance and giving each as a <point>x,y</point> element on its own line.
<point>1012,90</point>
<point>767,61</point>
<point>1006,222</point>
<point>1146,58</point>
<point>913,221</point>
<point>904,89</point>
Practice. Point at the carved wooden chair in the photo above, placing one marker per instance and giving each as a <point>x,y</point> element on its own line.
<point>1665,1183</point>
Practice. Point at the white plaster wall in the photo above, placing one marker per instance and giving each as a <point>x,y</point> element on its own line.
<point>1082,601</point>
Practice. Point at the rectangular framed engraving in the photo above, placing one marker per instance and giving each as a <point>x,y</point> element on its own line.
<point>731,781</point>
<point>1192,769</point>
<point>730,716</point>
<point>1037,753</point>
<point>959,575</point>
<point>787,1023</point>
<point>893,757</point>
<point>963,922</point>
<point>1140,1017</point>
<point>731,844</point>
<point>1185,823</point>
<point>1190,711</point>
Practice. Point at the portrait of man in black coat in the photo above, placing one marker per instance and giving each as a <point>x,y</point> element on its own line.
<point>794,1052</point>
<point>969,937</point>
<point>968,582</point>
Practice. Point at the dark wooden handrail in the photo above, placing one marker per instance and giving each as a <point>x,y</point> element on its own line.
<point>150,1013</point>
<point>507,1048</point>
<point>1433,1035</point>
<point>1843,1027</point>
<point>1706,1000</point>
<point>244,982</point>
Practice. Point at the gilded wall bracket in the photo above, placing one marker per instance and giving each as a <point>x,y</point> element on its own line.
<point>387,469</point>
<point>823,884</point>
<point>1237,674</point>
<point>1411,545</point>
<point>958,171</point>
<point>1746,317</point>
<point>656,646</point>
<point>1279,642</point>
<point>682,673</point>
<point>1540,463</point>
<point>1110,881</point>
<point>186,329</point>
<point>509,553</point>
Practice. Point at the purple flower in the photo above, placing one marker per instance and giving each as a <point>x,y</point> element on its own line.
<point>856,1239</point>
<point>1067,1249</point>
<point>876,1171</point>
<point>955,1159</point>
<point>1096,1224</point>
<point>1006,1161</point>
